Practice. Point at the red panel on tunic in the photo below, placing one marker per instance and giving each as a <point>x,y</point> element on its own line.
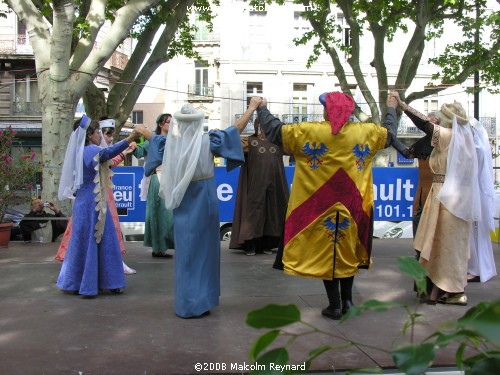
<point>340,188</point>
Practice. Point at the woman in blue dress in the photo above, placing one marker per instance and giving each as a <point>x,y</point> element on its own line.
<point>188,186</point>
<point>93,260</point>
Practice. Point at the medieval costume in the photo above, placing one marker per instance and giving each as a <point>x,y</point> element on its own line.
<point>159,223</point>
<point>188,186</point>
<point>261,198</point>
<point>105,125</point>
<point>481,265</point>
<point>63,246</point>
<point>443,235</point>
<point>93,261</point>
<point>329,221</point>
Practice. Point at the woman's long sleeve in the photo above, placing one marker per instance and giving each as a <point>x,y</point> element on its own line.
<point>420,120</point>
<point>112,151</point>
<point>270,125</point>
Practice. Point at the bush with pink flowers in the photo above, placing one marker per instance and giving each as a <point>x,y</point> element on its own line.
<point>18,167</point>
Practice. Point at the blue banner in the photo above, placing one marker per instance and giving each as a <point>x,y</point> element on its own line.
<point>393,192</point>
<point>403,160</point>
<point>393,189</point>
<point>126,191</point>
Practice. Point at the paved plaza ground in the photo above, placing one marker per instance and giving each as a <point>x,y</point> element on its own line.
<point>43,331</point>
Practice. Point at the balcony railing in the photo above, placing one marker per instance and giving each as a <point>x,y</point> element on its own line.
<point>10,43</point>
<point>249,129</point>
<point>27,108</point>
<point>407,129</point>
<point>490,124</point>
<point>206,38</point>
<point>295,119</point>
<point>7,44</point>
<point>201,93</point>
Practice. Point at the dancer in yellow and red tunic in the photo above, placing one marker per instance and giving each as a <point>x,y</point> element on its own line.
<point>329,221</point>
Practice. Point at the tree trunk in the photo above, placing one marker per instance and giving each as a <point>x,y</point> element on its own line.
<point>57,126</point>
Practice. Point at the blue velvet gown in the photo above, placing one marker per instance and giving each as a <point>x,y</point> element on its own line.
<point>89,266</point>
<point>196,232</point>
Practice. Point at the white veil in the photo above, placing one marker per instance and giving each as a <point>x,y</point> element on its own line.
<point>181,155</point>
<point>460,191</point>
<point>485,173</point>
<point>72,170</point>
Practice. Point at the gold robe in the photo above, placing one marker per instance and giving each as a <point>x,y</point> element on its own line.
<point>328,230</point>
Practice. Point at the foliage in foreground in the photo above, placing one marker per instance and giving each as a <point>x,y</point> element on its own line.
<point>477,331</point>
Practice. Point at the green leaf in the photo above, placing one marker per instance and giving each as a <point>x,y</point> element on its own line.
<point>443,340</point>
<point>273,316</point>
<point>380,305</point>
<point>318,351</point>
<point>278,357</point>
<point>483,365</point>
<point>459,355</point>
<point>313,354</point>
<point>483,319</point>
<point>411,267</point>
<point>263,342</point>
<point>414,359</point>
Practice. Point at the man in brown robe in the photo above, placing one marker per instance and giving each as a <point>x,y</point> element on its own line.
<point>261,198</point>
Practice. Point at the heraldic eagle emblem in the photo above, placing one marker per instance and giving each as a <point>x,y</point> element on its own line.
<point>314,152</point>
<point>335,229</point>
<point>361,152</point>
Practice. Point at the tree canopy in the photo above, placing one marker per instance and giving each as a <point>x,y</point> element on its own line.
<point>73,39</point>
<point>422,21</point>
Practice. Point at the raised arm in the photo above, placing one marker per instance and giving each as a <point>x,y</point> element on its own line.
<point>145,132</point>
<point>270,124</point>
<point>391,121</point>
<point>420,120</point>
<point>242,122</point>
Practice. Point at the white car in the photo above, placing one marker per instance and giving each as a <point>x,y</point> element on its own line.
<point>389,229</point>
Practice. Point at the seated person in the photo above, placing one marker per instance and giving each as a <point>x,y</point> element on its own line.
<point>42,230</point>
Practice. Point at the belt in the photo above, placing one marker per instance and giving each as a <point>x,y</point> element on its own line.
<point>202,178</point>
<point>438,178</point>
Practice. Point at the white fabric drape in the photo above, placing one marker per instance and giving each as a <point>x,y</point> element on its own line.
<point>72,170</point>
<point>482,262</point>
<point>460,191</point>
<point>144,186</point>
<point>181,155</point>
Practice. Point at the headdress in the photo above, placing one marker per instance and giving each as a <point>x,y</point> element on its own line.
<point>448,111</point>
<point>72,170</point>
<point>181,155</point>
<point>339,107</point>
<point>460,191</point>
<point>108,123</point>
<point>105,124</point>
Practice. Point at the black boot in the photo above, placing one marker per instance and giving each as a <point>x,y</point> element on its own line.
<point>333,311</point>
<point>346,293</point>
<point>250,247</point>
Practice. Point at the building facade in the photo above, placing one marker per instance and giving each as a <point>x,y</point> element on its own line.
<point>250,51</point>
<point>19,103</point>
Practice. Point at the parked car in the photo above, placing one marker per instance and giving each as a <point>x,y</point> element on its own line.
<point>389,229</point>
<point>225,231</point>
